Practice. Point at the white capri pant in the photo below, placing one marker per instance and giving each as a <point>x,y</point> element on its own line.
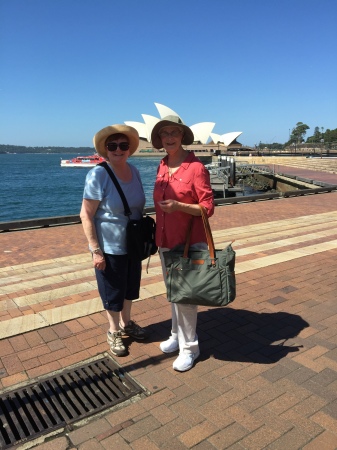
<point>184,317</point>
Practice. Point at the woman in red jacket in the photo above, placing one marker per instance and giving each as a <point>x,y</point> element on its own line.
<point>182,184</point>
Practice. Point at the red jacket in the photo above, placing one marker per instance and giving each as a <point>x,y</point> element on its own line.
<point>189,184</point>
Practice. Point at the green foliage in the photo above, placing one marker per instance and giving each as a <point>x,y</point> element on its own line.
<point>329,136</point>
<point>298,133</point>
<point>273,146</point>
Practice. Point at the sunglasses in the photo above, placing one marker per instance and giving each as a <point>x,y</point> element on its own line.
<point>113,146</point>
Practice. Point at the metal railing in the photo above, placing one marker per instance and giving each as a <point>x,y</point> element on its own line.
<point>21,225</point>
<point>49,222</point>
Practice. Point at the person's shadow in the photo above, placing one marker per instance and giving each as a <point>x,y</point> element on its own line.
<point>230,334</point>
<point>248,336</point>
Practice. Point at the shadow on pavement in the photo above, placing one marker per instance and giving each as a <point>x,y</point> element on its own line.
<point>248,336</point>
<point>239,335</point>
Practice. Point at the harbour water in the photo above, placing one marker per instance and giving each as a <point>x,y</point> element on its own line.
<point>35,185</point>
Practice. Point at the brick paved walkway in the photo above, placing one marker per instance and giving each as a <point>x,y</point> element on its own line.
<point>267,374</point>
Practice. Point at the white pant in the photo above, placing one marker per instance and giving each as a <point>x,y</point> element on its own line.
<point>184,317</point>
<point>184,324</point>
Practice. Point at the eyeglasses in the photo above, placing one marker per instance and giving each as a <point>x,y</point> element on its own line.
<point>113,146</point>
<point>165,134</point>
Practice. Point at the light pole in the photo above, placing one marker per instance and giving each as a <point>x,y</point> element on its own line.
<point>322,143</point>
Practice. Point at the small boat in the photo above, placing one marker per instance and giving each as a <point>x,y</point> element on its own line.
<point>83,161</point>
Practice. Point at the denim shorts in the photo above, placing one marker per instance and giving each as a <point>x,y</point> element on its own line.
<point>120,280</point>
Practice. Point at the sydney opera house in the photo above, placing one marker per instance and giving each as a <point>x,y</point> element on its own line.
<point>204,139</point>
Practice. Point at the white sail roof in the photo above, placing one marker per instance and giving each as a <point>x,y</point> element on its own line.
<point>140,127</point>
<point>226,138</point>
<point>202,131</point>
<point>150,122</point>
<point>165,111</point>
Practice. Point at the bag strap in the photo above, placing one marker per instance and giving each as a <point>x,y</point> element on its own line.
<point>127,211</point>
<point>209,236</point>
<point>208,231</point>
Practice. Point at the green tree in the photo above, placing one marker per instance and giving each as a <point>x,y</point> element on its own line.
<point>298,133</point>
<point>316,137</point>
<point>327,136</point>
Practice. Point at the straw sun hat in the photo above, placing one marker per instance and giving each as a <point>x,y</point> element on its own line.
<point>171,121</point>
<point>102,135</point>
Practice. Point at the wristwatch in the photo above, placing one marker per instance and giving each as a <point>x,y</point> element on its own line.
<point>95,250</point>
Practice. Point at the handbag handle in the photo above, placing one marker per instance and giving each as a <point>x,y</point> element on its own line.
<point>209,236</point>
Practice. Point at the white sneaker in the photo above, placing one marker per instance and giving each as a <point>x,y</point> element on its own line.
<point>185,361</point>
<point>169,346</point>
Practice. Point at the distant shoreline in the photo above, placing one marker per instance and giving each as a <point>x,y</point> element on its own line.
<point>137,154</point>
<point>159,155</point>
<point>144,149</point>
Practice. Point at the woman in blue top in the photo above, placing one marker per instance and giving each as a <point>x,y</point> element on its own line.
<point>104,224</point>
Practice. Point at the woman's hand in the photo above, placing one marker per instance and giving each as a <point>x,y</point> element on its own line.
<point>88,210</point>
<point>169,205</point>
<point>98,261</point>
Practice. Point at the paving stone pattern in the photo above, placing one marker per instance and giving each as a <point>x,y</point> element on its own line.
<point>267,374</point>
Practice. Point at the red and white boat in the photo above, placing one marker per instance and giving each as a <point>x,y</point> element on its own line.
<point>83,161</point>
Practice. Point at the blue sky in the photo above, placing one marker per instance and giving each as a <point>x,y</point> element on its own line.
<point>71,67</point>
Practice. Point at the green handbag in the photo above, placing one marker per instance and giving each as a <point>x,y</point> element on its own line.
<point>200,277</point>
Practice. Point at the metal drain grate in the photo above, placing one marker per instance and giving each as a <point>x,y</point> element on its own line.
<point>54,402</point>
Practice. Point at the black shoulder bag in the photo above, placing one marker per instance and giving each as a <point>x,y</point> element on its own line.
<point>140,234</point>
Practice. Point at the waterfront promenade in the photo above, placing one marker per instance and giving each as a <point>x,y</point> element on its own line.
<point>267,374</point>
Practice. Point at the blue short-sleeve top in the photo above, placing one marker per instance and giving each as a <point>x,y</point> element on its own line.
<point>110,220</point>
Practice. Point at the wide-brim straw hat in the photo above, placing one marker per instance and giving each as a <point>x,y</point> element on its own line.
<point>171,121</point>
<point>102,135</point>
